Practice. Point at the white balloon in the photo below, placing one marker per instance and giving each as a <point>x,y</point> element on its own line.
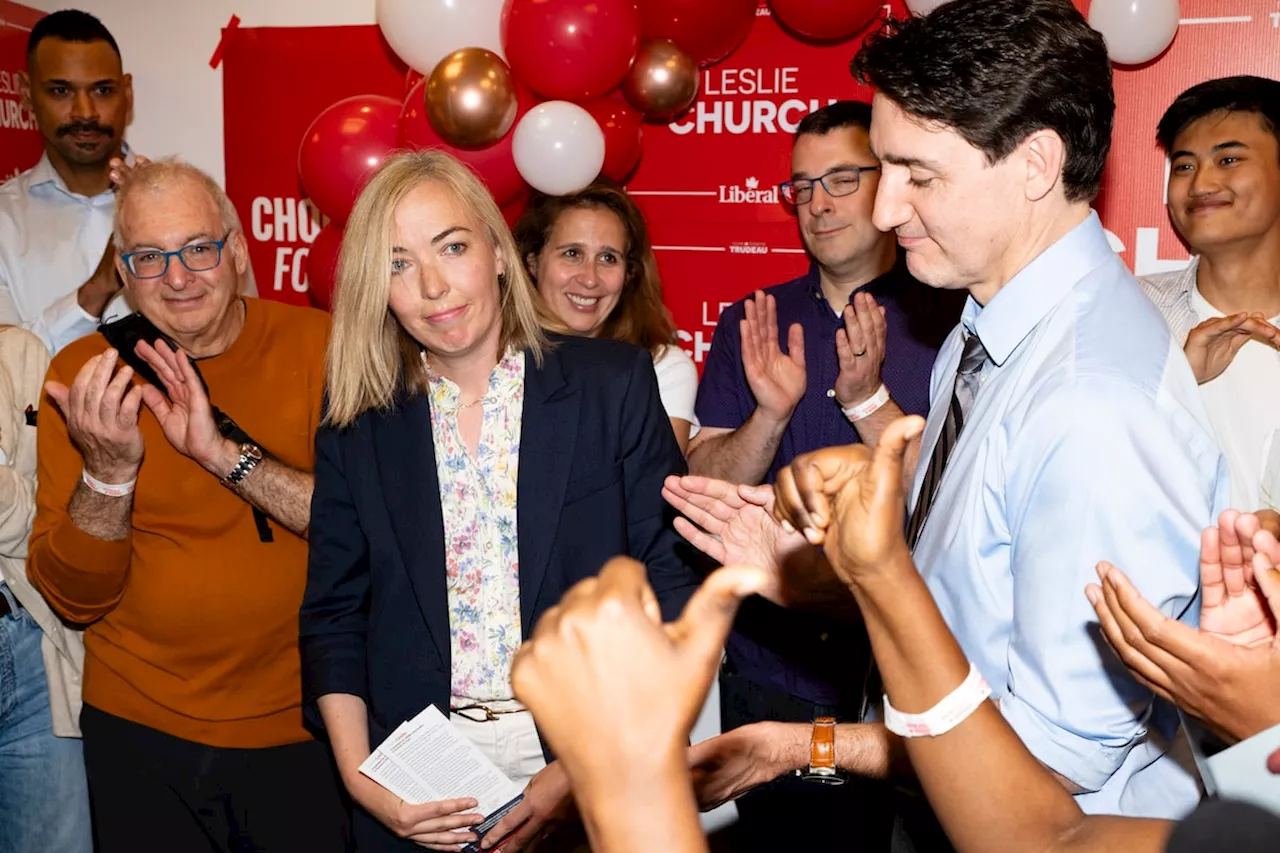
<point>923,7</point>
<point>423,32</point>
<point>1136,30</point>
<point>558,147</point>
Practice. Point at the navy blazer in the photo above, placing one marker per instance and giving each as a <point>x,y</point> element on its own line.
<point>595,446</point>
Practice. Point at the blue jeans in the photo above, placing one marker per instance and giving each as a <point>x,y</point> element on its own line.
<point>44,796</point>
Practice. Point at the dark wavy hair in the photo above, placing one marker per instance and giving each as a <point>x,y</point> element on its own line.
<point>996,71</point>
<point>640,317</point>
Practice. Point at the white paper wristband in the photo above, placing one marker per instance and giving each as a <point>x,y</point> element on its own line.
<point>869,406</point>
<point>111,490</point>
<point>950,712</point>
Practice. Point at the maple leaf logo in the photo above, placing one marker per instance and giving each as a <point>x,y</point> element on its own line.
<point>752,183</point>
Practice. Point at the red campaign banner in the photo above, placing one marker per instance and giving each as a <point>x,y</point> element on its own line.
<point>708,181</point>
<point>20,140</point>
<point>275,81</point>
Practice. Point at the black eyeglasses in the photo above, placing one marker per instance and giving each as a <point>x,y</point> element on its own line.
<point>837,182</point>
<point>153,263</point>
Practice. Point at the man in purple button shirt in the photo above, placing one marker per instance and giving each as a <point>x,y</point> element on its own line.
<point>859,330</point>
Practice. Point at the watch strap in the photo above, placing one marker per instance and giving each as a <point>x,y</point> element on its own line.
<point>250,456</point>
<point>822,747</point>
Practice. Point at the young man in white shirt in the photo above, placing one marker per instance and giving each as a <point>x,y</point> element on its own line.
<point>57,274</point>
<point>1224,199</point>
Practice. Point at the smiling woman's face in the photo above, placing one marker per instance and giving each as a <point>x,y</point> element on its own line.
<point>583,267</point>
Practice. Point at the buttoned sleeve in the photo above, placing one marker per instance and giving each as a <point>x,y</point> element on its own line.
<point>63,322</point>
<point>58,325</point>
<point>1097,470</point>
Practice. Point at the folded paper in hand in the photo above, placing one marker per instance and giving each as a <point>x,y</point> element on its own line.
<point>427,759</point>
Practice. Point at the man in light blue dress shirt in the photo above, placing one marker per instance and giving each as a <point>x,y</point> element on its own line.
<point>1086,439</point>
<point>1076,434</point>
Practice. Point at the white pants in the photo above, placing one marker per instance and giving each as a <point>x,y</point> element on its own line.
<point>510,741</point>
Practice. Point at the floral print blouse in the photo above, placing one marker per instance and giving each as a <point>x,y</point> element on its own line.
<point>478,500</point>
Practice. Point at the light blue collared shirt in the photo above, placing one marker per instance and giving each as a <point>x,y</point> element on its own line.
<point>51,241</point>
<point>1087,442</point>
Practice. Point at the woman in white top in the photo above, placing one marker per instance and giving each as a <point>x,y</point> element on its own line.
<point>589,256</point>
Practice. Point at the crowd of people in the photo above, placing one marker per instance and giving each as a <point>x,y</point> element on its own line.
<point>976,532</point>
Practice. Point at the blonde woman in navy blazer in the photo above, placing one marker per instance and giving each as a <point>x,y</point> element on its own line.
<point>432,316</point>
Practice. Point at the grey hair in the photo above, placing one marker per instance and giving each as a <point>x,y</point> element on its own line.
<point>154,175</point>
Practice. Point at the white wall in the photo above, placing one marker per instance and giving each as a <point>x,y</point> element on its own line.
<point>167,45</point>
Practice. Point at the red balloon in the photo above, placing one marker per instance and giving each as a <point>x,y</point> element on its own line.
<point>513,211</point>
<point>622,125</point>
<point>707,30</point>
<point>495,165</point>
<point>322,265</point>
<point>826,20</point>
<point>343,147</point>
<point>570,50</point>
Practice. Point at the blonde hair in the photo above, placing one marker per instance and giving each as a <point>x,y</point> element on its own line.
<point>156,175</point>
<point>370,355</point>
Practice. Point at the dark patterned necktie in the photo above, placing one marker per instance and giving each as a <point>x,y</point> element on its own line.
<point>962,395</point>
<point>963,392</point>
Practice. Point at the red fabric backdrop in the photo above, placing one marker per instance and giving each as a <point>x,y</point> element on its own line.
<point>707,183</point>
<point>19,140</point>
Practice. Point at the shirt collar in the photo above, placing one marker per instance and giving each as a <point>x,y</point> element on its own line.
<point>43,177</point>
<point>1031,294</point>
<point>1187,277</point>
<point>813,281</point>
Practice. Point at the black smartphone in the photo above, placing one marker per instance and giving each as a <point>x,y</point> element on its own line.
<point>482,829</point>
<point>123,335</point>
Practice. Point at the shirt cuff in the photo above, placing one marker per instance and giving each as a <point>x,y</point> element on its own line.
<point>1240,772</point>
<point>66,321</point>
<point>1088,762</point>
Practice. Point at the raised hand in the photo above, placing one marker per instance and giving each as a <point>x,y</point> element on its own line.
<point>1213,344</point>
<point>1231,605</point>
<point>860,347</point>
<point>777,379</point>
<point>730,524</point>
<point>733,525</point>
<point>839,498</point>
<point>1228,672</point>
<point>121,171</point>
<point>101,408</point>
<point>613,689</point>
<point>186,416</point>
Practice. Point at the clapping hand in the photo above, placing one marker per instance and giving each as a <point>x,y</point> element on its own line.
<point>1227,673</point>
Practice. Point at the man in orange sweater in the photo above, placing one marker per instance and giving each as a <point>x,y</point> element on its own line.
<point>182,550</point>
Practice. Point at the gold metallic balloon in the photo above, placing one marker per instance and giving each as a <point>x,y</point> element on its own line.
<point>471,98</point>
<point>662,81</point>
